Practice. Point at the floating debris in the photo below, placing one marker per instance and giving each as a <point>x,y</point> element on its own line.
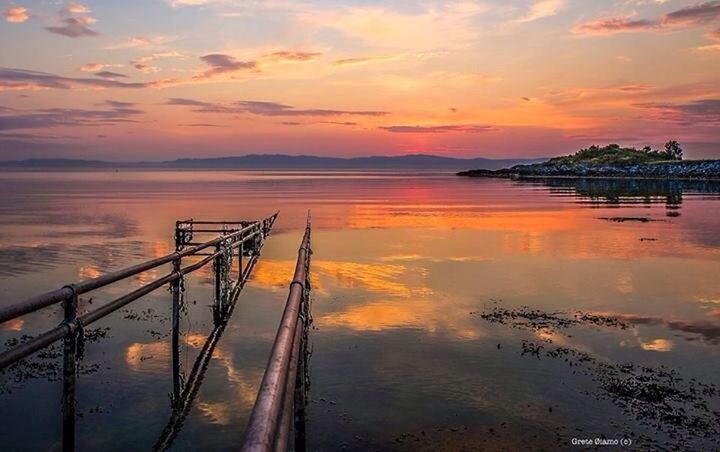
<point>47,363</point>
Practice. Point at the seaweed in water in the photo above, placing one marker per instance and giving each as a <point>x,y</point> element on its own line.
<point>47,363</point>
<point>655,397</point>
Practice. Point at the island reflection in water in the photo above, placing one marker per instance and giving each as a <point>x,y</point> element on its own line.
<point>422,337</point>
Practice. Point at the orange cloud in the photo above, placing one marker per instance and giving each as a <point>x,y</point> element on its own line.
<point>75,8</point>
<point>16,14</point>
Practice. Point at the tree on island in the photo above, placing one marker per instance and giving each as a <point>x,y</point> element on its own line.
<point>614,154</point>
<point>673,150</point>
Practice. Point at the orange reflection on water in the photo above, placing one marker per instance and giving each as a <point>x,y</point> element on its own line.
<point>13,325</point>
<point>428,314</point>
<point>657,345</point>
<point>153,357</point>
<point>88,272</point>
<point>385,278</point>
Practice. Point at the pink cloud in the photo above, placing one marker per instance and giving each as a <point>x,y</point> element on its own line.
<point>612,25</point>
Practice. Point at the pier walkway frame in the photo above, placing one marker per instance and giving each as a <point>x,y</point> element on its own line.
<point>281,398</point>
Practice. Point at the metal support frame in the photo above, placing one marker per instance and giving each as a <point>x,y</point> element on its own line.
<point>70,330</point>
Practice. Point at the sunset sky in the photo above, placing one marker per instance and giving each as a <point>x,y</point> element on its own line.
<point>161,79</point>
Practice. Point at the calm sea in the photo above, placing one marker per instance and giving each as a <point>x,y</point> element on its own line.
<point>449,313</point>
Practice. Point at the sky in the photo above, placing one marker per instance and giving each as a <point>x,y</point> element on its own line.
<point>165,79</point>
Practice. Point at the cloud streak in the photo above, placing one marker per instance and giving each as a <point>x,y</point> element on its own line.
<point>263,108</point>
<point>693,15</point>
<point>612,25</point>
<point>68,117</point>
<point>454,128</point>
<point>705,112</point>
<point>110,74</point>
<point>20,79</point>
<point>289,55</point>
<point>701,13</point>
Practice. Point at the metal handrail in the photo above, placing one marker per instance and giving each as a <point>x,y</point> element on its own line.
<point>266,429</point>
<point>66,292</point>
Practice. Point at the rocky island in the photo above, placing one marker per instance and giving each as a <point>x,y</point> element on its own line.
<point>613,161</point>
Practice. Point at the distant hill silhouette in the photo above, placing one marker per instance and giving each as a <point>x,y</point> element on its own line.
<point>281,161</point>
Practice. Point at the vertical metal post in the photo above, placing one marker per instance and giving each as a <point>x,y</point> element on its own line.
<point>241,250</point>
<point>217,264</point>
<point>176,289</point>
<point>69,370</point>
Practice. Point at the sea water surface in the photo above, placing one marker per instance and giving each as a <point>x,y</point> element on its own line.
<point>449,313</point>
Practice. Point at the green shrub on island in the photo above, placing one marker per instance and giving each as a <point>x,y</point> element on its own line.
<point>613,154</point>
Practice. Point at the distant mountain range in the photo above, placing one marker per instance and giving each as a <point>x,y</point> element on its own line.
<point>280,161</point>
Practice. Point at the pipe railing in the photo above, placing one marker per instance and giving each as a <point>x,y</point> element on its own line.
<point>69,294</point>
<point>269,425</point>
<point>66,292</point>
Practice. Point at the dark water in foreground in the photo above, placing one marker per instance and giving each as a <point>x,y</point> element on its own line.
<point>450,313</point>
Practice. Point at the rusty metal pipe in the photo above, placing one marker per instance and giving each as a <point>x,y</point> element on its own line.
<point>264,421</point>
<point>286,419</point>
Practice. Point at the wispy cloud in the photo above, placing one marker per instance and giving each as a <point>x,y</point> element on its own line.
<point>264,108</point>
<point>142,63</point>
<point>540,9</point>
<point>612,25</point>
<point>698,14</point>
<point>454,128</point>
<point>436,25</point>
<point>110,74</point>
<point>364,60</point>
<point>135,42</point>
<point>223,64</point>
<point>74,27</point>
<point>146,68</point>
<point>15,14</point>
<point>705,111</point>
<point>20,79</point>
<point>67,117</point>
<point>95,67</point>
<point>290,55</point>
